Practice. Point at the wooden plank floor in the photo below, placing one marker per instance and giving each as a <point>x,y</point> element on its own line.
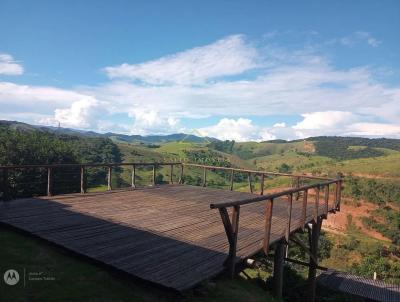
<point>166,234</point>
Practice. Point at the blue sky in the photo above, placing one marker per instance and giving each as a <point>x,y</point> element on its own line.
<point>244,70</point>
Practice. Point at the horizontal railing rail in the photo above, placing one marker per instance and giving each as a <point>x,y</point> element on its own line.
<point>83,166</point>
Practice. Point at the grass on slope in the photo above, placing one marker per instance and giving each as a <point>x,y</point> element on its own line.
<point>75,279</point>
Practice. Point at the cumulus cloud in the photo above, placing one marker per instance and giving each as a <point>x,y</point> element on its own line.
<point>8,66</point>
<point>82,114</point>
<point>239,130</point>
<point>228,56</point>
<point>151,122</point>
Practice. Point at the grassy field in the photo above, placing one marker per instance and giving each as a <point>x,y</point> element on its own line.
<point>75,279</point>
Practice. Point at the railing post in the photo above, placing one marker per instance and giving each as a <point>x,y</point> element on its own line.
<point>231,230</point>
<point>316,210</point>
<point>297,186</point>
<point>232,172</point>
<point>339,197</point>
<point>171,180</point>
<point>235,230</point>
<point>6,188</point>
<point>262,184</point>
<point>326,200</point>
<point>249,181</point>
<point>154,175</point>
<point>268,221</point>
<point>304,209</point>
<point>204,177</point>
<point>49,181</point>
<point>279,258</point>
<point>181,176</point>
<point>133,177</point>
<point>83,183</point>
<point>109,185</point>
<point>289,212</point>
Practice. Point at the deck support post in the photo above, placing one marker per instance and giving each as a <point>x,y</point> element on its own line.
<point>83,185</point>
<point>231,230</point>
<point>49,181</point>
<point>109,178</point>
<point>204,177</point>
<point>312,270</point>
<point>279,261</point>
<point>262,184</point>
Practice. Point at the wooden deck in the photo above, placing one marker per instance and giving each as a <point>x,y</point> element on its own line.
<point>165,234</point>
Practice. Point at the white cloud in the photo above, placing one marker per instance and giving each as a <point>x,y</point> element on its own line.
<point>368,38</point>
<point>8,66</point>
<point>279,125</point>
<point>82,114</point>
<point>326,120</point>
<point>358,37</point>
<point>228,56</point>
<point>151,122</point>
<point>239,130</point>
<point>374,129</point>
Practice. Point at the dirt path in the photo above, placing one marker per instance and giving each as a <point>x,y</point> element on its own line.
<point>337,222</point>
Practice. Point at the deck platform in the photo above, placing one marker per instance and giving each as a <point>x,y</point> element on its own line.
<point>165,234</point>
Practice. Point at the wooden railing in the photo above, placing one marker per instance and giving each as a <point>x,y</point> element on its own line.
<point>231,225</point>
<point>50,171</point>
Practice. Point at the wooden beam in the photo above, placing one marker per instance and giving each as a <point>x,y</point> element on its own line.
<point>268,220</point>
<point>109,185</point>
<point>181,176</point>
<point>231,230</point>
<point>249,181</point>
<point>306,264</point>
<point>312,270</point>
<point>232,178</point>
<point>133,177</point>
<point>83,182</point>
<point>289,215</point>
<point>262,184</point>
<point>316,207</point>
<point>297,186</point>
<point>304,210</point>
<point>154,175</point>
<point>326,200</point>
<point>204,177</point>
<point>279,258</point>
<point>301,244</point>
<point>49,181</point>
<point>171,176</point>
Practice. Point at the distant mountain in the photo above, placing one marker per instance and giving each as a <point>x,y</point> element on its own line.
<point>150,139</point>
